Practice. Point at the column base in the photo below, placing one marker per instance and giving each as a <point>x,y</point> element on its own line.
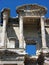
<point>44,49</point>
<point>21,64</point>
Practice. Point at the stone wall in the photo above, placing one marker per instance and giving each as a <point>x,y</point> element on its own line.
<point>13,33</point>
<point>29,31</point>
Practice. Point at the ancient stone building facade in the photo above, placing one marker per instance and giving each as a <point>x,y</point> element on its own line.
<point>30,27</point>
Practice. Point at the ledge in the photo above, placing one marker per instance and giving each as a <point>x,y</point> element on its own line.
<point>11,62</point>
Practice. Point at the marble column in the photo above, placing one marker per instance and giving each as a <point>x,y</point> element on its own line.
<point>5,19</point>
<point>21,43</point>
<point>43,33</point>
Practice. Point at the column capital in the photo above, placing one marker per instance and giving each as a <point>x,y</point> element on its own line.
<point>5,12</point>
<point>43,16</point>
<point>21,17</point>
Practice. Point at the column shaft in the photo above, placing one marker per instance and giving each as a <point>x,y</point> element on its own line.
<point>43,33</point>
<point>21,43</point>
<point>4,29</point>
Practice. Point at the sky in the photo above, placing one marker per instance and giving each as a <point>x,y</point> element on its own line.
<point>12,4</point>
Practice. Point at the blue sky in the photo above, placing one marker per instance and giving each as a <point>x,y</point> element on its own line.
<point>12,4</point>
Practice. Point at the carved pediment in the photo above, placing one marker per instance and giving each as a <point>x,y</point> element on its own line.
<point>35,9</point>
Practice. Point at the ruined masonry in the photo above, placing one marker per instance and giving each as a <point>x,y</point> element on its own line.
<point>30,27</point>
